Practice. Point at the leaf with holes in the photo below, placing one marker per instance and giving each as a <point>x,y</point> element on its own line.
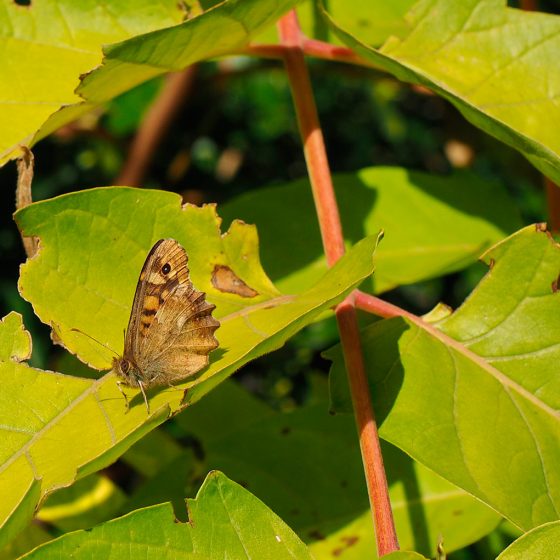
<point>242,436</point>
<point>225,521</point>
<point>87,280</point>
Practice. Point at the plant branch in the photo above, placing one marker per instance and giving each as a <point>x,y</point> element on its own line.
<point>310,47</point>
<point>24,196</point>
<point>372,304</point>
<point>313,142</point>
<point>326,51</point>
<point>154,126</point>
<point>333,244</point>
<point>370,445</point>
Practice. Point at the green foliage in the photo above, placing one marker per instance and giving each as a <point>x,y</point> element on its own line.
<point>224,521</point>
<point>467,400</point>
<point>455,230</point>
<point>484,58</point>
<point>143,43</point>
<point>486,418</point>
<point>85,417</point>
<point>541,542</point>
<point>302,462</point>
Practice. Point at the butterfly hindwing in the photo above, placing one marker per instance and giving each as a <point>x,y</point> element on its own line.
<point>171,329</point>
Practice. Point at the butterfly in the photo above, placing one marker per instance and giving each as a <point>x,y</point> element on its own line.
<point>171,329</point>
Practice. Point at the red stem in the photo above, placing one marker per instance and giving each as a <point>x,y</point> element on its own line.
<point>370,445</point>
<point>313,143</point>
<point>311,47</point>
<point>326,51</point>
<point>381,308</point>
<point>333,244</point>
<point>154,127</point>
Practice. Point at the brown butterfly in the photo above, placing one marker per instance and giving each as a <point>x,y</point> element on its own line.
<point>171,329</point>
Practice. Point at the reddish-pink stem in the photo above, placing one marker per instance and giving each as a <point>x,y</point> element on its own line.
<point>370,446</point>
<point>381,308</point>
<point>333,243</point>
<point>320,49</point>
<point>313,143</point>
<point>311,47</point>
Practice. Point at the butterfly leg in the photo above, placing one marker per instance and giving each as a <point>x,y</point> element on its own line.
<point>144,395</point>
<point>119,386</point>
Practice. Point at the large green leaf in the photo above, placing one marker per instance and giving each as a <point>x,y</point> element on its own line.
<point>225,521</point>
<point>497,65</point>
<point>477,401</point>
<point>542,542</point>
<point>48,46</point>
<point>92,245</point>
<point>303,462</point>
<point>433,225</point>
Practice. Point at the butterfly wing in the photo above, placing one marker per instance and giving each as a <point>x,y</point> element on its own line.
<point>180,348</point>
<point>171,329</point>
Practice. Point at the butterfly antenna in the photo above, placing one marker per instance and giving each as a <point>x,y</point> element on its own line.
<point>95,340</point>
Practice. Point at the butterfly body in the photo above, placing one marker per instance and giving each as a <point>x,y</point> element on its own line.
<point>171,329</point>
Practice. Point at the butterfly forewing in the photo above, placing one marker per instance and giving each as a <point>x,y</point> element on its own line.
<point>171,329</point>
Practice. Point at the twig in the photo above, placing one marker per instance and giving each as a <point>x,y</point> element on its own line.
<point>154,126</point>
<point>23,194</point>
<point>381,308</point>
<point>333,244</point>
<point>553,204</point>
<point>313,143</point>
<point>310,47</point>
<point>370,446</point>
<point>326,51</point>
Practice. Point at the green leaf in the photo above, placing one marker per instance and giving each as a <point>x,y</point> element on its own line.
<point>225,521</point>
<point>433,225</point>
<point>478,403</point>
<point>89,501</point>
<point>497,65</point>
<point>541,542</point>
<point>15,342</point>
<point>257,446</point>
<point>52,44</point>
<point>49,45</point>
<point>92,245</point>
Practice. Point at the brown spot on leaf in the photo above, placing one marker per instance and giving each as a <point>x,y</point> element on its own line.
<point>317,535</point>
<point>286,430</point>
<point>225,280</point>
<point>541,226</point>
